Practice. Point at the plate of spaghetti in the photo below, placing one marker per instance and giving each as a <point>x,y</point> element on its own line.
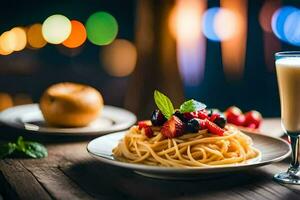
<point>189,142</point>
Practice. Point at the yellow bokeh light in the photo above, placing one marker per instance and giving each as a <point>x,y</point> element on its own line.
<point>3,51</point>
<point>185,20</point>
<point>119,58</point>
<point>34,36</point>
<point>56,29</point>
<point>8,41</point>
<point>20,38</point>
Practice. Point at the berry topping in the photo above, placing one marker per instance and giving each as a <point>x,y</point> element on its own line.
<point>148,132</point>
<point>213,128</point>
<point>180,116</point>
<point>220,121</point>
<point>214,116</point>
<point>174,127</point>
<point>194,125</point>
<point>157,118</point>
<point>253,119</point>
<point>202,114</point>
<point>190,115</point>
<point>144,124</point>
<point>196,114</point>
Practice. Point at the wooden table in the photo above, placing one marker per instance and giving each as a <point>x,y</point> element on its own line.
<point>69,172</point>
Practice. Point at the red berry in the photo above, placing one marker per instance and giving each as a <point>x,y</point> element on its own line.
<point>196,114</point>
<point>234,116</point>
<point>144,124</point>
<point>202,124</point>
<point>214,116</point>
<point>214,128</point>
<point>190,115</point>
<point>253,117</point>
<point>174,127</point>
<point>148,132</point>
<point>202,114</point>
<point>252,125</point>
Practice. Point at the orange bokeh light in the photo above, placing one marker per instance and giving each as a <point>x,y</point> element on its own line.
<point>77,36</point>
<point>34,36</point>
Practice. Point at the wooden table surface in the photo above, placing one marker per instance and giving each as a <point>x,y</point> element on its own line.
<point>69,172</point>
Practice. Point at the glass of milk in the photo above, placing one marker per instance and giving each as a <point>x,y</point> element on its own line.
<point>288,76</point>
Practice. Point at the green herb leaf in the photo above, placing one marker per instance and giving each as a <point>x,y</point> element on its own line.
<point>191,106</point>
<point>23,148</point>
<point>35,150</point>
<point>164,104</point>
<point>7,149</point>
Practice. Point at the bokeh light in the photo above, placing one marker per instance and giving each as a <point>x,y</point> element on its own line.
<point>185,24</point>
<point>35,37</point>
<point>207,24</point>
<point>184,21</point>
<point>56,29</point>
<point>278,21</point>
<point>102,28</point>
<point>3,51</point>
<point>8,42</point>
<point>225,24</point>
<point>77,36</point>
<point>291,28</point>
<point>119,58</point>
<point>266,13</point>
<point>20,38</point>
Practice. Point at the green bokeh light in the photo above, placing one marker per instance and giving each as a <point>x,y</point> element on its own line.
<point>102,28</point>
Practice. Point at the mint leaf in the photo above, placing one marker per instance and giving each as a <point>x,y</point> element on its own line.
<point>7,149</point>
<point>191,106</point>
<point>22,149</point>
<point>35,150</point>
<point>164,104</point>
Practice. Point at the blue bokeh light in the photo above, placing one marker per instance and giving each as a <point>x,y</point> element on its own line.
<point>208,24</point>
<point>292,28</point>
<point>278,21</point>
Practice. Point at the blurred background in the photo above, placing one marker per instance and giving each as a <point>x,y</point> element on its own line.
<point>220,52</point>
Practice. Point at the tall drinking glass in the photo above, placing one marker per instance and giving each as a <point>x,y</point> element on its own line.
<point>288,76</point>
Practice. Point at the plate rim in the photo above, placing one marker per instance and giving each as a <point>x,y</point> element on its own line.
<point>159,169</point>
<point>62,132</point>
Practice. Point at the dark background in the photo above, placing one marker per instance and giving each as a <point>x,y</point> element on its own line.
<point>31,71</point>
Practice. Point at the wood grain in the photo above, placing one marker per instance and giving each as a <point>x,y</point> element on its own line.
<point>19,183</point>
<point>69,172</point>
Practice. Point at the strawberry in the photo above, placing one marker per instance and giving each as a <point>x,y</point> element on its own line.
<point>148,132</point>
<point>253,118</point>
<point>144,124</point>
<point>191,115</point>
<point>200,114</point>
<point>213,128</point>
<point>214,116</point>
<point>174,127</point>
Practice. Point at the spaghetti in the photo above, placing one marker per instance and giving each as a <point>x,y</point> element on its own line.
<point>201,149</point>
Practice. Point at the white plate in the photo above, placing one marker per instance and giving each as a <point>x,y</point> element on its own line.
<point>29,117</point>
<point>272,150</point>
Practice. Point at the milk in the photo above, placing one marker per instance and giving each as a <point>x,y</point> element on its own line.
<point>288,75</point>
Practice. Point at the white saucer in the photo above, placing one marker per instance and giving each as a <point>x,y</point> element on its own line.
<point>30,118</point>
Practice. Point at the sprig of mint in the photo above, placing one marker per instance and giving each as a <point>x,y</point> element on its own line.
<point>22,148</point>
<point>164,104</point>
<point>191,106</point>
